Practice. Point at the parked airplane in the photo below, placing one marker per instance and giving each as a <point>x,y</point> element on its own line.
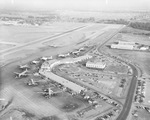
<point>34,83</point>
<point>46,58</point>
<point>18,75</point>
<point>35,62</point>
<point>36,74</point>
<point>24,66</point>
<point>49,93</point>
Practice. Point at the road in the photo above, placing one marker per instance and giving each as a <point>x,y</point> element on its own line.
<point>128,103</point>
<point>127,106</point>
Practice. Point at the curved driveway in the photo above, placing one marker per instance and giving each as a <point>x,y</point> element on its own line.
<point>127,106</point>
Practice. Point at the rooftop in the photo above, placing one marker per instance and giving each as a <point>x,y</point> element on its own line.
<point>76,88</point>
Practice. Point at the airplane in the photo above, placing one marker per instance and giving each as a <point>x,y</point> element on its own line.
<point>46,58</point>
<point>34,83</point>
<point>18,75</point>
<point>36,74</point>
<point>24,66</point>
<point>61,56</point>
<point>35,62</point>
<point>49,93</point>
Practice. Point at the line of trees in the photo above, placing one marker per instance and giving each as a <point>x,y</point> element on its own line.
<point>140,25</point>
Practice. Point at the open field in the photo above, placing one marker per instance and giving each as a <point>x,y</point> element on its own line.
<point>134,31</point>
<point>24,34</point>
<point>67,40</point>
<point>142,59</point>
<point>142,115</point>
<point>78,36</point>
<point>5,46</point>
<point>141,39</point>
<point>108,30</point>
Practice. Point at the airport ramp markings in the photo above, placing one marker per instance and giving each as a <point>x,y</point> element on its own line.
<point>24,99</point>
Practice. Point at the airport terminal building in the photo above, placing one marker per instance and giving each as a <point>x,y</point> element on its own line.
<point>68,84</point>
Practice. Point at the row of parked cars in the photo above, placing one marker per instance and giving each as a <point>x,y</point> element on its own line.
<point>144,108</point>
<point>108,115</point>
<point>94,103</point>
<point>122,83</point>
<point>139,97</point>
<point>110,101</point>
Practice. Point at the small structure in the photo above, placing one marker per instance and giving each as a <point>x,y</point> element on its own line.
<point>98,65</point>
<point>61,55</point>
<point>76,52</point>
<point>68,84</point>
<point>122,46</point>
<point>144,48</point>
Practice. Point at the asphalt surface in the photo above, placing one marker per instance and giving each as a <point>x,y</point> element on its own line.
<point>127,106</point>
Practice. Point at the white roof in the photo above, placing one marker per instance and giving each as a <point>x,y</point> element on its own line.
<point>122,46</point>
<point>66,83</point>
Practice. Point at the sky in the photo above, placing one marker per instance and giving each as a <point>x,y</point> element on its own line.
<point>75,4</point>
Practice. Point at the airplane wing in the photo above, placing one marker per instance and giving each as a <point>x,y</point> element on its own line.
<point>16,73</point>
<point>23,74</point>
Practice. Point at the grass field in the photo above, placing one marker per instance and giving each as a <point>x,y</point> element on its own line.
<point>5,46</point>
<point>24,34</point>
<point>134,31</point>
<point>131,38</point>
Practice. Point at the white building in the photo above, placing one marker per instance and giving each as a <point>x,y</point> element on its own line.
<point>73,86</point>
<point>98,65</point>
<point>144,48</point>
<point>81,49</point>
<point>61,55</point>
<point>54,63</point>
<point>119,46</point>
<point>76,52</point>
